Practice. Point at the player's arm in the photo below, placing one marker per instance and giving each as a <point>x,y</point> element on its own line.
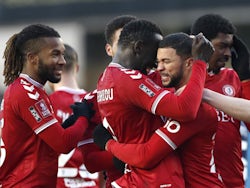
<point>148,154</point>
<point>236,107</point>
<point>64,140</point>
<point>95,159</point>
<point>176,107</point>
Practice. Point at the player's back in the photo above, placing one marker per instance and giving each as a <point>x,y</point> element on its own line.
<point>71,172</point>
<point>125,98</point>
<point>197,152</point>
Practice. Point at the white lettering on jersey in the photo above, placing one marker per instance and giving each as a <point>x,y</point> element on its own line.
<point>146,90</point>
<point>105,95</point>
<point>172,126</point>
<point>223,117</point>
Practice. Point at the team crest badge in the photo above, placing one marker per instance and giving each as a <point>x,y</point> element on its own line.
<point>228,90</point>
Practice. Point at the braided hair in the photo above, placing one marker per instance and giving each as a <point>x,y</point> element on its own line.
<point>28,40</point>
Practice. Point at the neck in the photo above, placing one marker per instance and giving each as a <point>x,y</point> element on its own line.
<point>67,81</point>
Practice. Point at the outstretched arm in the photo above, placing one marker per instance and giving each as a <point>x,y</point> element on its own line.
<point>236,107</point>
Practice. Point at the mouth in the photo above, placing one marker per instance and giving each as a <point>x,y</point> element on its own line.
<point>165,78</point>
<point>58,72</point>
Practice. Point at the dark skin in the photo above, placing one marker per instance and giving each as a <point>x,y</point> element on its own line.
<point>140,56</point>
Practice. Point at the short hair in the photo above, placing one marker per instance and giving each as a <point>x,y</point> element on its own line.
<point>138,30</point>
<point>212,24</point>
<point>71,58</point>
<point>181,42</point>
<point>115,24</point>
<point>28,40</point>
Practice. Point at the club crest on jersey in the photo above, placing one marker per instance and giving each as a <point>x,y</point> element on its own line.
<point>35,114</point>
<point>146,90</point>
<point>42,108</point>
<point>228,90</point>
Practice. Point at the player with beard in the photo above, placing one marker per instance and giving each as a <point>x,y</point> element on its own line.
<point>128,100</point>
<point>221,32</point>
<point>31,134</point>
<point>195,139</point>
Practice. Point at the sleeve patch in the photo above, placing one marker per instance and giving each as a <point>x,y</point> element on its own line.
<point>146,90</point>
<point>42,108</point>
<point>35,114</point>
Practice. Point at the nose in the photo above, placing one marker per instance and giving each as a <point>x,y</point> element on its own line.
<point>160,66</point>
<point>227,52</point>
<point>62,60</point>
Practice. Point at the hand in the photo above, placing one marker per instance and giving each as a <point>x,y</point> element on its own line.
<point>119,165</point>
<point>68,122</point>
<point>101,136</point>
<point>202,48</point>
<point>240,58</point>
<point>82,109</point>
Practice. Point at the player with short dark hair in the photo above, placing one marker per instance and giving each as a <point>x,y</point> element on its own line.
<point>128,100</point>
<point>222,34</point>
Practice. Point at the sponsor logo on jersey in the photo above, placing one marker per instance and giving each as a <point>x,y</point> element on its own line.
<point>228,90</point>
<point>146,90</point>
<point>105,95</point>
<point>42,108</point>
<point>35,114</point>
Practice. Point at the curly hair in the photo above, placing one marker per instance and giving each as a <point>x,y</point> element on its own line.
<point>138,30</point>
<point>28,40</point>
<point>212,24</point>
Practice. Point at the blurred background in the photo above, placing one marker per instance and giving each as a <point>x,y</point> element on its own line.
<point>81,24</point>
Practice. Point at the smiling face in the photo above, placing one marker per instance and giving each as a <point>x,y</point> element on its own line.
<point>222,45</point>
<point>51,60</point>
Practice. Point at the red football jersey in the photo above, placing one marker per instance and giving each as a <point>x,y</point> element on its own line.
<point>29,155</point>
<point>71,169</point>
<point>227,151</point>
<point>127,102</point>
<point>94,158</point>
<point>195,140</point>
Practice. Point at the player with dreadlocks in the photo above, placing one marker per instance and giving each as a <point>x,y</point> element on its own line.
<point>31,135</point>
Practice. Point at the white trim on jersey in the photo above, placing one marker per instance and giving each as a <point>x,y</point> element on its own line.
<point>83,142</point>
<point>44,126</point>
<point>157,100</point>
<point>115,185</point>
<point>166,139</point>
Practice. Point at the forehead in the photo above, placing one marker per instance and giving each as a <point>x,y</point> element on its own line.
<point>54,43</point>
<point>223,38</point>
<point>166,53</point>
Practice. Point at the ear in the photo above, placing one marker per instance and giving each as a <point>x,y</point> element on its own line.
<point>189,62</point>
<point>77,67</point>
<point>33,58</point>
<point>108,49</point>
<point>138,47</point>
